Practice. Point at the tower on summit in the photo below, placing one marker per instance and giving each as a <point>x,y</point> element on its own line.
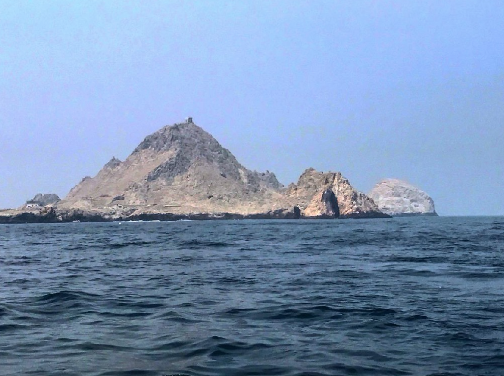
<point>189,120</point>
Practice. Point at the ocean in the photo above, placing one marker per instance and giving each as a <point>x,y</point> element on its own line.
<point>401,296</point>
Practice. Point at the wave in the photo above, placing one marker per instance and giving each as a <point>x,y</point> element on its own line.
<point>66,296</point>
<point>200,244</point>
<point>308,298</point>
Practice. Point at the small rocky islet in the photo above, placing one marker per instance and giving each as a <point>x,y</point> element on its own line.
<point>400,199</point>
<point>182,172</point>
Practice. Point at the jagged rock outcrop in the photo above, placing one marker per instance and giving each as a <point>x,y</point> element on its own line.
<point>50,214</point>
<point>399,198</point>
<point>181,171</point>
<point>44,199</point>
<point>312,185</point>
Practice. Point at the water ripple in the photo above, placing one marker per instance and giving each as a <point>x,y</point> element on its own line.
<point>408,296</point>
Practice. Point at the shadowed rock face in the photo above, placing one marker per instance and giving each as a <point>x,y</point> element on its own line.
<point>182,170</point>
<point>330,202</point>
<point>399,198</point>
<point>323,205</point>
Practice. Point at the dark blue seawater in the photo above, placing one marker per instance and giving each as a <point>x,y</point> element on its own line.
<point>404,296</point>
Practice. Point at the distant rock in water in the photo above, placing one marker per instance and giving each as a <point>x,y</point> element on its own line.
<point>399,198</point>
<point>43,199</point>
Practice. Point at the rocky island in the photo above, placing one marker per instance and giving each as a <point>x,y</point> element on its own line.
<point>182,172</point>
<point>398,198</point>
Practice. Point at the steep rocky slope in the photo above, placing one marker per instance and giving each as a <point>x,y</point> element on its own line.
<point>180,169</point>
<point>399,198</point>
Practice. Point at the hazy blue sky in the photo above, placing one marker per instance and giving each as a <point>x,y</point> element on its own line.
<point>374,89</point>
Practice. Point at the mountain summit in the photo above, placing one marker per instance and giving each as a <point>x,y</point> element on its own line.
<point>183,170</point>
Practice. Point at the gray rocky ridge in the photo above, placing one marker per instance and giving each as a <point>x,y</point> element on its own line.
<point>399,198</point>
<point>44,199</point>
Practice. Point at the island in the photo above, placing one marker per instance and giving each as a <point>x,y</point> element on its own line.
<point>183,172</point>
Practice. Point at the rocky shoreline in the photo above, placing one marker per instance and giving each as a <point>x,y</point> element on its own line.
<point>64,216</point>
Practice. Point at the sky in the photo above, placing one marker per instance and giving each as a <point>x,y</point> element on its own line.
<point>374,89</point>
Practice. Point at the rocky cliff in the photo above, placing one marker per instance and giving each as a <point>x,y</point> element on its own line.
<point>314,194</point>
<point>399,198</point>
<point>181,170</point>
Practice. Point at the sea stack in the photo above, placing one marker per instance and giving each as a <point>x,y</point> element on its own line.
<point>398,198</point>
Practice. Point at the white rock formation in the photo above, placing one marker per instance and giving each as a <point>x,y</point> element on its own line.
<point>399,198</point>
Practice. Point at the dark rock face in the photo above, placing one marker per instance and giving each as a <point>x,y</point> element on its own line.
<point>170,169</point>
<point>51,215</point>
<point>46,215</point>
<point>44,199</point>
<point>297,212</point>
<point>331,202</point>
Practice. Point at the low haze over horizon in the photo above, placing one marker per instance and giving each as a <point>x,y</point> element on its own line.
<point>412,90</point>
